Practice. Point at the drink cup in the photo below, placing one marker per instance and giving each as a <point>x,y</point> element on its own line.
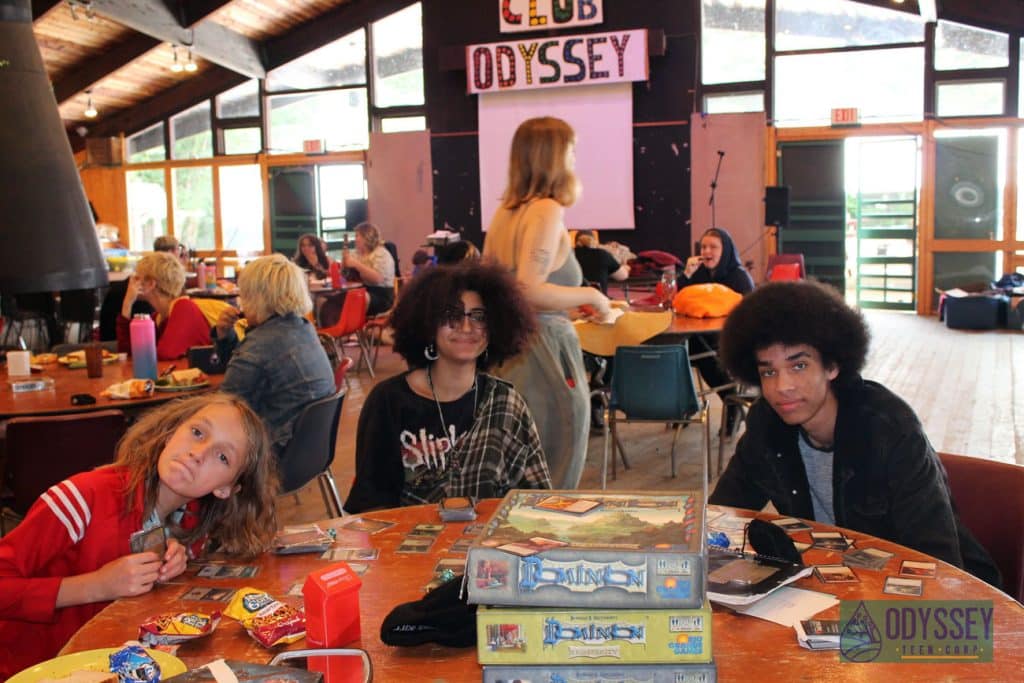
<point>93,360</point>
<point>19,363</point>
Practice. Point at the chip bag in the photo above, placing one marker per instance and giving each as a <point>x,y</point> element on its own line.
<point>133,664</point>
<point>172,629</point>
<point>270,622</point>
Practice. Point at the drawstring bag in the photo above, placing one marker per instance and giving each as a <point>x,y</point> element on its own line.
<point>710,300</point>
<point>442,617</point>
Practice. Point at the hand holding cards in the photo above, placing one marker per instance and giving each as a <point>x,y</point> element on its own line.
<point>149,541</point>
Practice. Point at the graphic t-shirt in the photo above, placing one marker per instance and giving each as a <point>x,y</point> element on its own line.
<point>423,443</point>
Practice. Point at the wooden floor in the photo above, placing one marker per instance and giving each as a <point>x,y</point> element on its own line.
<point>967,388</point>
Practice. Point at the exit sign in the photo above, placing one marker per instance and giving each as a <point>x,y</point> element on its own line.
<point>845,116</point>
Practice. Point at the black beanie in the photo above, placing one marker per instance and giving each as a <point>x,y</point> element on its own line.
<point>442,617</point>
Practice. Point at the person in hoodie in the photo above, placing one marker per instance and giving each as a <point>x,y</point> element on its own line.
<point>719,263</point>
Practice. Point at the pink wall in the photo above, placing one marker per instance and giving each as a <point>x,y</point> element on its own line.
<point>739,198</point>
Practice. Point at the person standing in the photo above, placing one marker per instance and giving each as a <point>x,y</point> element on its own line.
<point>527,235</point>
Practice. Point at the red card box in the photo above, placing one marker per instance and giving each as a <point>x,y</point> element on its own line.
<point>331,598</point>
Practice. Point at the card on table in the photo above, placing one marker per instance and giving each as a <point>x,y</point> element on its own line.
<point>835,573</point>
<point>829,540</point>
<point>867,558</point>
<point>791,524</point>
<point>367,524</point>
<point>461,545</point>
<point>415,545</point>
<point>430,530</point>
<point>227,571</point>
<point>206,593</point>
<point>576,506</point>
<point>472,529</point>
<point>346,554</point>
<point>151,540</point>
<point>924,569</point>
<point>896,585</point>
<point>443,571</point>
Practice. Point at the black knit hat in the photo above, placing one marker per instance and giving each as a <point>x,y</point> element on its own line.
<point>442,617</point>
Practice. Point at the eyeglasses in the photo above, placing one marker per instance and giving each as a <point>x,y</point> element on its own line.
<point>453,318</point>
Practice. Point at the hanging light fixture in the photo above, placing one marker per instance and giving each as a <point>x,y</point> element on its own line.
<point>90,111</point>
<point>190,65</point>
<point>176,66</point>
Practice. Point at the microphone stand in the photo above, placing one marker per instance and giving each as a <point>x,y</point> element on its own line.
<point>714,186</point>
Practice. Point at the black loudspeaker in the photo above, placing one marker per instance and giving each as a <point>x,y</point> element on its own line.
<point>776,205</point>
<point>355,213</point>
<point>965,187</point>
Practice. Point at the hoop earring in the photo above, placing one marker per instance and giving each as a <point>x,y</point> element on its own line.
<point>483,356</point>
<point>430,352</point>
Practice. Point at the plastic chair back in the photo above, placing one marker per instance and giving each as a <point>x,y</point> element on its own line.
<point>353,314</point>
<point>310,452</point>
<point>653,383</point>
<point>787,272</point>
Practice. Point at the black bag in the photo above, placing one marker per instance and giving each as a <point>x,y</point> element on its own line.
<point>206,359</point>
<point>442,617</point>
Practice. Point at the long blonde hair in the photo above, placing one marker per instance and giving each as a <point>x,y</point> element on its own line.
<point>537,163</point>
<point>242,524</point>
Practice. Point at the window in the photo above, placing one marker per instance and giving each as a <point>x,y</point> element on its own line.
<point>397,124</point>
<point>734,102</point>
<point>241,207</point>
<point>956,269</point>
<point>193,206</point>
<point>970,98</point>
<point>398,58</point>
<point>814,24</point>
<point>191,137</point>
<point>147,207</point>
<point>242,141</point>
<point>240,102</point>
<point>969,182</point>
<point>967,47</point>
<point>147,145</point>
<point>338,184</point>
<point>732,41</point>
<point>337,64</point>
<point>338,116</point>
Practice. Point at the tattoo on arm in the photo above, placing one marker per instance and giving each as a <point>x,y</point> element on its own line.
<point>542,258</point>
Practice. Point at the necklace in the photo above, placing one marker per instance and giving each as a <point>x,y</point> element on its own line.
<point>440,414</point>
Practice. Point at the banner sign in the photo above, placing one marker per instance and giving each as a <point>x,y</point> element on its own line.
<point>540,15</point>
<point>555,62</point>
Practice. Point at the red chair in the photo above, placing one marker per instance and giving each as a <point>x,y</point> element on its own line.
<point>785,267</point>
<point>341,373</point>
<point>352,325</point>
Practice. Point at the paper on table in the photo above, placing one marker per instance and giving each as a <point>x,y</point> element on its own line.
<point>788,605</point>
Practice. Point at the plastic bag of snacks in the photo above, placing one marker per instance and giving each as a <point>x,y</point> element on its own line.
<point>270,622</point>
<point>133,664</point>
<point>172,629</point>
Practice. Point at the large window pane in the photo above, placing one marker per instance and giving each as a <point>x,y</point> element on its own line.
<point>732,41</point>
<point>242,141</point>
<point>241,207</point>
<point>960,269</point>
<point>191,137</point>
<point>976,98</point>
<point>241,101</point>
<point>398,124</point>
<point>398,58</point>
<point>193,206</point>
<point>340,63</point>
<point>810,24</point>
<point>339,182</point>
<point>968,47</point>
<point>147,207</point>
<point>885,85</point>
<point>734,102</point>
<point>340,117</point>
<point>147,145</point>
<point>968,184</point>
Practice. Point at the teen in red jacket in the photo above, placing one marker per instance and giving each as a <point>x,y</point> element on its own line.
<point>72,555</point>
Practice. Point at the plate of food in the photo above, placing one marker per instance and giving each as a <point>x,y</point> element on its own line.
<point>183,380</point>
<point>76,359</point>
<point>45,358</point>
<point>91,666</point>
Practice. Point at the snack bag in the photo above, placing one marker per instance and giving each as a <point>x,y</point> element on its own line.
<point>131,388</point>
<point>133,664</point>
<point>171,629</point>
<point>270,622</point>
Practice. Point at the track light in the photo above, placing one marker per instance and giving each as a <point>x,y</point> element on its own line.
<point>190,65</point>
<point>176,66</point>
<point>90,111</point>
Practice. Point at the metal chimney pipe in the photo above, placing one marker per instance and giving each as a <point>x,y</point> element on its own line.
<point>48,240</point>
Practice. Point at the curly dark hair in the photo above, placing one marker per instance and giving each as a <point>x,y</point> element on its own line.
<point>422,303</point>
<point>791,313</point>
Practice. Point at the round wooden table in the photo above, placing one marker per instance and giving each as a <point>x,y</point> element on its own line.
<point>744,647</point>
<point>68,382</point>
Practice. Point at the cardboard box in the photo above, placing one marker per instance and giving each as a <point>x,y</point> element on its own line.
<point>607,673</point>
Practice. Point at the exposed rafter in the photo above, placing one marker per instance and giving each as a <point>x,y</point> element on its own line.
<point>193,11</point>
<point>41,7</point>
<point>209,40</point>
<point>94,69</point>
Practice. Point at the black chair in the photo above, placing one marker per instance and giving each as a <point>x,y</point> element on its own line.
<point>65,349</point>
<point>78,307</point>
<point>310,452</point>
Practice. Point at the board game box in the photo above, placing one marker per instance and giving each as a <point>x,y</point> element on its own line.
<point>517,635</point>
<point>619,550</point>
<point>606,673</point>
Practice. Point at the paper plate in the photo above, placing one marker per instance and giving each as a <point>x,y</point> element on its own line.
<point>187,387</point>
<point>92,660</point>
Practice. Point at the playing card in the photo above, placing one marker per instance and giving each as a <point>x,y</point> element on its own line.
<point>829,540</point>
<point>835,573</point>
<point>895,585</point>
<point>427,530</point>
<point>149,540</point>
<point>347,554</point>
<point>924,569</point>
<point>867,558</point>
<point>367,524</point>
<point>791,524</point>
<point>415,545</point>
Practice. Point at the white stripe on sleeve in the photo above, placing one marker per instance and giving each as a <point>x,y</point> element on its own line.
<point>70,507</point>
<point>59,514</point>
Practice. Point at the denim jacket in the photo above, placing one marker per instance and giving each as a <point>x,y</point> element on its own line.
<point>887,480</point>
<point>278,368</point>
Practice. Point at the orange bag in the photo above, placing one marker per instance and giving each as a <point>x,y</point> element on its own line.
<point>709,300</point>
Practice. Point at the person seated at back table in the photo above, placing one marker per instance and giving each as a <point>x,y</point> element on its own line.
<point>310,255</point>
<point>446,427</point>
<point>280,366</point>
<point>596,263</point>
<point>823,443</point>
<point>114,298</point>
<point>375,267</point>
<point>159,280</point>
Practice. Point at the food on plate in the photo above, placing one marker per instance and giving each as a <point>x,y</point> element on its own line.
<point>44,358</point>
<point>76,357</point>
<point>183,378</point>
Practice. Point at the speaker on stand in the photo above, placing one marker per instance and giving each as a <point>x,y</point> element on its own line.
<point>776,205</point>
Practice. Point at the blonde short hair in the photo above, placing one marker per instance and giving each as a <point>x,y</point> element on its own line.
<point>165,270</point>
<point>273,285</point>
<point>536,167</point>
<point>371,235</point>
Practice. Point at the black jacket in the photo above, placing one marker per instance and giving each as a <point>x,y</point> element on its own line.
<point>887,480</point>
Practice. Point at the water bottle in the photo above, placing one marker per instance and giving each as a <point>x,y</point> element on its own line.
<point>335,274</point>
<point>143,340</point>
<point>201,274</point>
<point>211,276</point>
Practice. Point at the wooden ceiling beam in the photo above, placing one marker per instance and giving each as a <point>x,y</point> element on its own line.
<point>41,7</point>
<point>208,39</point>
<point>92,70</point>
<point>191,12</point>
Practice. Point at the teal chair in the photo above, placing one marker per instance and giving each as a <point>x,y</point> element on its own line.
<point>653,384</point>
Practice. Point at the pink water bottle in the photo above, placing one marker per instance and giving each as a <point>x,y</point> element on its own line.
<point>201,275</point>
<point>143,341</point>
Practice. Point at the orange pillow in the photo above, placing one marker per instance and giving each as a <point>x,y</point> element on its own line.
<point>709,300</point>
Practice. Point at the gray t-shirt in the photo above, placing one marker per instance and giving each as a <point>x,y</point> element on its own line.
<point>818,464</point>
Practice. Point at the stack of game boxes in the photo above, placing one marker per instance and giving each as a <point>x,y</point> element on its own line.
<point>593,586</point>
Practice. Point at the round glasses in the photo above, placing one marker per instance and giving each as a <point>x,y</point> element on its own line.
<point>453,318</point>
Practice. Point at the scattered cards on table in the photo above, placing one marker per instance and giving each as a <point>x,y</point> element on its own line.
<point>430,530</point>
<point>302,539</point>
<point>445,570</point>
<point>791,524</point>
<point>835,573</point>
<point>346,554</point>
<point>208,594</point>
<point>367,524</point>
<point>829,540</point>
<point>923,569</point>
<point>227,571</point>
<point>818,634</point>
<point>895,585</point>
<point>415,545</point>
<point>867,558</point>
<point>461,545</point>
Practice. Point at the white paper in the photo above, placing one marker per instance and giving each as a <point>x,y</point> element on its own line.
<point>788,605</point>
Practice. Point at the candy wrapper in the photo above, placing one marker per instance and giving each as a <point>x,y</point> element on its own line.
<point>132,388</point>
<point>172,629</point>
<point>133,664</point>
<point>270,622</point>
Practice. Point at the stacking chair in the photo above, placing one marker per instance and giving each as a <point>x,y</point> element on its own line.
<point>310,452</point>
<point>742,399</point>
<point>989,497</point>
<point>352,325</point>
<point>792,267</point>
<point>43,451</point>
<point>653,384</point>
<point>78,307</point>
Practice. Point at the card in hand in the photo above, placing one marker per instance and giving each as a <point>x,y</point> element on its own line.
<point>149,541</point>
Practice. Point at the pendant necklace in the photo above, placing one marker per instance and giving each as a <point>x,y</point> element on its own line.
<point>440,414</point>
